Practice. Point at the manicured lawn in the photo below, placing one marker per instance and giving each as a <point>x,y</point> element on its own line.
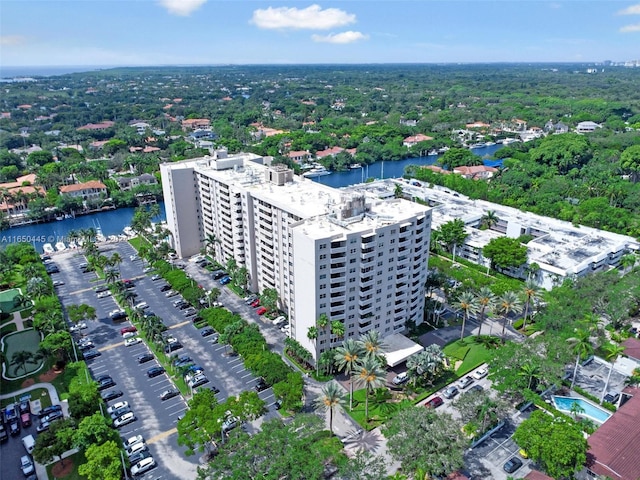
<point>6,300</point>
<point>474,354</point>
<point>25,340</point>
<point>136,242</point>
<point>10,327</point>
<point>77,459</point>
<point>379,410</point>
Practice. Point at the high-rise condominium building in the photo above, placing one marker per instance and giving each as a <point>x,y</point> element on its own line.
<point>357,259</point>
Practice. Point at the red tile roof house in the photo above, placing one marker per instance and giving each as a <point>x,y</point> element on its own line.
<point>333,151</point>
<point>196,123</point>
<point>98,126</point>
<point>536,475</point>
<point>475,172</point>
<point>632,349</point>
<point>86,190</point>
<point>415,139</point>
<point>613,448</point>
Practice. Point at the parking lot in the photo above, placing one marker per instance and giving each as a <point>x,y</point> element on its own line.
<point>155,419</point>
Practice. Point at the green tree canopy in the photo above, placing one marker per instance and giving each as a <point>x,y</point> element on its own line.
<point>557,443</point>
<point>103,462</point>
<point>505,252</point>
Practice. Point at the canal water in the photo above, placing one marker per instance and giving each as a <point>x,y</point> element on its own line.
<point>112,222</point>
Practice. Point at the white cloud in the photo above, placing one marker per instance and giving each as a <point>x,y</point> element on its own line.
<point>340,38</point>
<point>630,28</point>
<point>312,18</point>
<point>12,40</point>
<point>632,10</point>
<point>183,8</point>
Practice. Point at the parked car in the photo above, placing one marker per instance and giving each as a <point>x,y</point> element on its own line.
<point>197,381</point>
<point>143,466</point>
<point>172,347</point>
<point>155,277</point>
<point>165,287</point>
<point>255,303</point>
<point>128,329</point>
<point>205,332</point>
<point>190,312</point>
<point>136,448</point>
<point>132,341</point>
<point>58,283</point>
<point>475,388</point>
<point>170,393</point>
<point>512,465</point>
<point>261,311</point>
<point>26,465</point>
<point>250,298</point>
<point>261,385</point>
<point>224,280</point>
<point>400,378</point>
<point>182,360</point>
<point>218,274</point>
<point>101,288</point>
<point>129,335</point>
<point>465,382</point>
<point>117,406</point>
<point>435,402</point>
<point>155,371</point>
<point>104,294</point>
<point>120,412</point>
<point>480,373</point>
<point>139,456</point>
<point>106,383</point>
<point>451,391</point>
<point>83,347</point>
<point>78,326</point>
<point>131,441</point>
<point>171,293</point>
<point>145,357</point>
<point>141,306</point>
<point>90,354</point>
<point>111,395</point>
<point>125,419</point>
<point>47,410</point>
<point>279,320</point>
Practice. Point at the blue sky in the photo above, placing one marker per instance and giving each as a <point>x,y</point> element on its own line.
<point>210,32</point>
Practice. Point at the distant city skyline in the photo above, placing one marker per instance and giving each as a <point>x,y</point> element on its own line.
<point>214,32</point>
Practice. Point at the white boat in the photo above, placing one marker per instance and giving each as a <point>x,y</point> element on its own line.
<point>100,236</point>
<point>432,152</point>
<point>355,166</point>
<point>60,246</point>
<point>48,248</point>
<point>508,141</point>
<point>128,231</point>
<point>316,172</point>
<point>443,149</point>
<point>477,145</point>
<point>489,144</point>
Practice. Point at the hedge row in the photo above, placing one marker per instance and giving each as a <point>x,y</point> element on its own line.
<point>179,281</point>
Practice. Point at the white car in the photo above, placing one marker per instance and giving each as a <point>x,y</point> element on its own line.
<point>116,406</point>
<point>480,373</point>
<point>135,448</point>
<point>280,320</point>
<point>128,335</point>
<point>133,258</point>
<point>77,327</point>
<point>141,306</point>
<point>143,466</point>
<point>26,465</point>
<point>131,441</point>
<point>132,341</point>
<point>123,420</point>
<point>104,294</point>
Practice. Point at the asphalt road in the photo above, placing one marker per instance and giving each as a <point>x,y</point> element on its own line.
<point>155,419</point>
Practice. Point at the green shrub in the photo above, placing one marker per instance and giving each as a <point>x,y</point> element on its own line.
<point>518,324</point>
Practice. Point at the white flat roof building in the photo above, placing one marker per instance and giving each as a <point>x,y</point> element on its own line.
<point>353,256</point>
<point>561,249</point>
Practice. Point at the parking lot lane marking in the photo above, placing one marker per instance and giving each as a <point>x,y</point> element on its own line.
<point>245,376</point>
<point>178,405</point>
<point>178,325</point>
<point>110,347</point>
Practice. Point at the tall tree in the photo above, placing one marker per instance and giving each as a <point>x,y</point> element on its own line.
<point>486,303</point>
<point>441,455</point>
<point>612,351</point>
<point>531,293</point>
<point>557,443</point>
<point>330,400</point>
<point>507,304</point>
<point>468,303</point>
<point>103,462</point>
<point>20,359</point>
<point>453,234</point>
<point>373,345</point>
<point>347,357</point>
<point>370,374</point>
<point>581,346</point>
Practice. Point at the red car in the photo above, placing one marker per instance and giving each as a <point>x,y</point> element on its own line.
<point>128,329</point>
<point>255,303</point>
<point>261,311</point>
<point>435,402</point>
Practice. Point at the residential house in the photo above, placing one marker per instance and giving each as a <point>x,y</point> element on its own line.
<point>196,123</point>
<point>14,196</point>
<point>87,190</point>
<point>613,447</point>
<point>299,156</point>
<point>333,151</point>
<point>632,349</point>
<point>97,126</point>
<point>476,172</point>
<point>478,125</point>
<point>587,127</point>
<point>141,127</point>
<point>98,144</point>
<point>415,139</point>
<point>202,134</point>
<point>127,183</point>
<point>558,128</point>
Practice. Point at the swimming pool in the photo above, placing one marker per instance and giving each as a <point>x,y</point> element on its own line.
<point>588,409</point>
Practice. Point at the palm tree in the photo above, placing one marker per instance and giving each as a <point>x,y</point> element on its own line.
<point>531,293</point>
<point>322,322</point>
<point>347,358</point>
<point>468,303</point>
<point>486,301</point>
<point>529,371</point>
<point>373,345</point>
<point>329,399</point>
<point>115,260</point>
<point>211,243</point>
<point>420,365</point>
<point>581,347</point>
<point>128,297</point>
<point>508,303</point>
<point>37,287</point>
<point>489,219</point>
<point>371,374</point>
<point>312,334</point>
<point>337,328</point>
<point>612,352</point>
<point>20,359</point>
<point>111,276</point>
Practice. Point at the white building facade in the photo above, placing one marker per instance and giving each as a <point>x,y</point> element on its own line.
<point>358,259</point>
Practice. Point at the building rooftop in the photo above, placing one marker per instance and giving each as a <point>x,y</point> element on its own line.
<point>614,446</point>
